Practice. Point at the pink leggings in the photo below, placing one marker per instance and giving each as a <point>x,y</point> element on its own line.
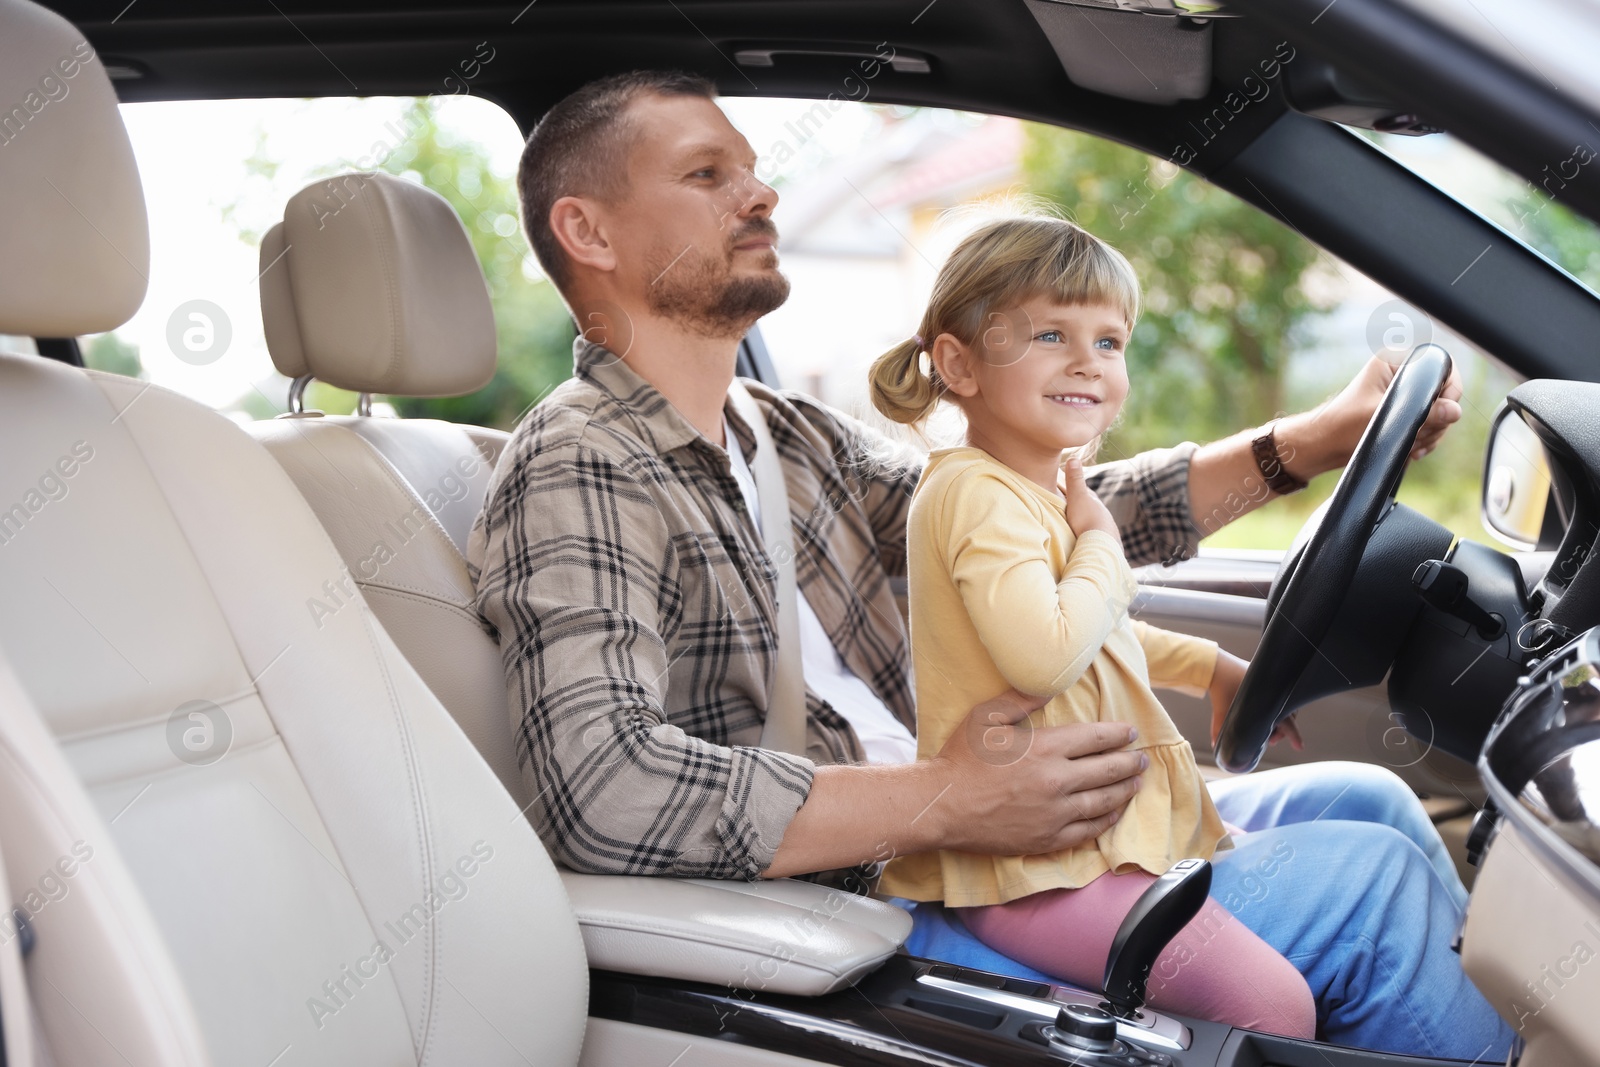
<point>1216,968</point>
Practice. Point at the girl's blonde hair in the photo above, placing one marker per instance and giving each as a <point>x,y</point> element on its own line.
<point>999,266</point>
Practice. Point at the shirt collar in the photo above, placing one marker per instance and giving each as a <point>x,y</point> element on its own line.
<point>657,422</point>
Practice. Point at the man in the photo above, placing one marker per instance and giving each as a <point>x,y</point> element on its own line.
<point>620,563</point>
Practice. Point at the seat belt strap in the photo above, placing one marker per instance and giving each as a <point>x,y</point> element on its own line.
<point>785,729</point>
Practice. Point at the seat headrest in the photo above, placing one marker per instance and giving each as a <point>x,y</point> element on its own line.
<point>371,284</point>
<point>73,234</point>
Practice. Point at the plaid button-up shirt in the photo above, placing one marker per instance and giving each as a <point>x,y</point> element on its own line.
<point>635,609</point>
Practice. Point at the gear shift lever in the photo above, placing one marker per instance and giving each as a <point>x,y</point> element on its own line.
<point>1160,912</point>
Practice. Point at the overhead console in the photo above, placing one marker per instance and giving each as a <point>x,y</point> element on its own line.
<point>1108,46</point>
<point>1315,87</point>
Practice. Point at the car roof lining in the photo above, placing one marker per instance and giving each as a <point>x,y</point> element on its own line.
<point>193,49</point>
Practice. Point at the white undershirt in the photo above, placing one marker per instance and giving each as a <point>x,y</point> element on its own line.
<point>882,736</point>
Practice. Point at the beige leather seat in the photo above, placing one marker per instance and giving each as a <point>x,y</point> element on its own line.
<point>335,874</point>
<point>99,984</point>
<point>386,296</point>
<point>322,277</point>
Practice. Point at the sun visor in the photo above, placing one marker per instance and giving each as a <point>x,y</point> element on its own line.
<point>1154,59</point>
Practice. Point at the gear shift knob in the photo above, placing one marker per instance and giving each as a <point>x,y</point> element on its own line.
<point>1157,916</point>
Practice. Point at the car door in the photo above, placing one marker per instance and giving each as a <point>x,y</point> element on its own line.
<point>1221,595</point>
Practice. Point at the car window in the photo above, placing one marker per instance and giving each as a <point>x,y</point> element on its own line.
<point>217,175</point>
<point>1243,318</point>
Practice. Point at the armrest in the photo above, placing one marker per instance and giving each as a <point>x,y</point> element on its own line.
<point>782,936</point>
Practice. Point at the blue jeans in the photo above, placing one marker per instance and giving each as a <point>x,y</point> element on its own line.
<point>1342,872</point>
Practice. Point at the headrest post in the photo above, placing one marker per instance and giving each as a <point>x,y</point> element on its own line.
<point>297,394</point>
<point>364,404</point>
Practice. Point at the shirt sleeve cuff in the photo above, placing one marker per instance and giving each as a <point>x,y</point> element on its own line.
<point>1204,666</point>
<point>1162,486</point>
<point>1179,661</point>
<point>765,790</point>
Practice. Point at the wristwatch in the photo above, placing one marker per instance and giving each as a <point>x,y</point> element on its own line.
<point>1270,463</point>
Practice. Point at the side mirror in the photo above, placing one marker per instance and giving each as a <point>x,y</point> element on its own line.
<point>1516,485</point>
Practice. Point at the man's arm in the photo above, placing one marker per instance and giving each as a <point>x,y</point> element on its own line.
<point>1225,483</point>
<point>577,573</point>
<point>621,791</point>
<point>993,788</point>
<point>1166,500</point>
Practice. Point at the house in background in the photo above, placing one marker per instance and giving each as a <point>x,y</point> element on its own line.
<point>861,241</point>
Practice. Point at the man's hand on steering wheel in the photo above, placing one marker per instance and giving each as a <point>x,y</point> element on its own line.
<point>1341,420</point>
<point>1225,685</point>
<point>1317,573</point>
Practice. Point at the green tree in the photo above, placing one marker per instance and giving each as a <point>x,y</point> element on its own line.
<point>1224,303</point>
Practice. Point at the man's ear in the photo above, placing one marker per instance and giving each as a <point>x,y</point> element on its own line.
<point>952,361</point>
<point>580,229</point>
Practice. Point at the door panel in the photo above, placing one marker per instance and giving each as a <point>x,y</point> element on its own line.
<point>1355,726</point>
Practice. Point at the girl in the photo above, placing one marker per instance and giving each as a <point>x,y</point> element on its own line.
<point>1017,579</point>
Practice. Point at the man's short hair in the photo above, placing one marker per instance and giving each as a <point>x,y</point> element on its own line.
<point>580,148</point>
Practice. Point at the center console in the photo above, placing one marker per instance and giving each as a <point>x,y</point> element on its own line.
<point>917,1011</point>
<point>790,967</point>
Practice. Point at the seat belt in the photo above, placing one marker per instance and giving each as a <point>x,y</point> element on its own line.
<point>785,729</point>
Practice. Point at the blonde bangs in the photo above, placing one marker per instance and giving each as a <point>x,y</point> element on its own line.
<point>1089,271</point>
<point>1007,262</point>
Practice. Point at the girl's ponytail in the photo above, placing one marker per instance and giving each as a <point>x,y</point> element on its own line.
<point>900,389</point>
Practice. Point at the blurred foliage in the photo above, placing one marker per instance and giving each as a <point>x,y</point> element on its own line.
<point>1224,303</point>
<point>1228,338</point>
<point>108,352</point>
<point>1570,241</point>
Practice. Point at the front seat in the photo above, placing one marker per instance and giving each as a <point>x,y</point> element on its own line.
<point>387,296</point>
<point>322,278</point>
<point>336,874</point>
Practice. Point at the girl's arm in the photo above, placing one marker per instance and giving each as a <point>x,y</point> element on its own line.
<point>1177,661</point>
<point>1041,634</point>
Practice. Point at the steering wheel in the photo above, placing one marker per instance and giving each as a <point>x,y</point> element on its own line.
<point>1310,586</point>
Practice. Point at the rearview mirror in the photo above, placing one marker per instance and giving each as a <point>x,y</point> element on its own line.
<point>1516,483</point>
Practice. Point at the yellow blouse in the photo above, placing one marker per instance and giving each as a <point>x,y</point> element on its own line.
<point>1003,594</point>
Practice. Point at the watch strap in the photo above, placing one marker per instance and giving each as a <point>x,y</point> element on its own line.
<point>1270,463</point>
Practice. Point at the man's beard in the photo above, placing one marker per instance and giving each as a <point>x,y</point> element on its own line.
<point>699,290</point>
